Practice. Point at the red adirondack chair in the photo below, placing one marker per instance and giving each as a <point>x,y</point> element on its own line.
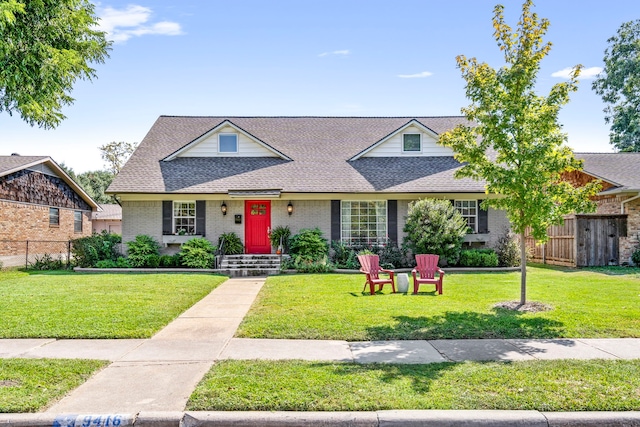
<point>425,272</point>
<point>370,265</point>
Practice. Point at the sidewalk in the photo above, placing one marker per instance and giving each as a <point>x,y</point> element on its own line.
<point>159,374</point>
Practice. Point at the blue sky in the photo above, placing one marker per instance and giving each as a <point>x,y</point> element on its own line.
<point>308,57</point>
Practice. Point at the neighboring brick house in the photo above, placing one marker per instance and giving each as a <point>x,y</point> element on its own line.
<point>109,219</point>
<point>39,202</point>
<point>352,177</point>
<point>620,175</point>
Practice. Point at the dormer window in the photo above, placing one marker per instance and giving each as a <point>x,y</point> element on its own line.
<point>411,143</point>
<point>228,143</point>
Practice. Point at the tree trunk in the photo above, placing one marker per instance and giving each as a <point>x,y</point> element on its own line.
<point>523,269</point>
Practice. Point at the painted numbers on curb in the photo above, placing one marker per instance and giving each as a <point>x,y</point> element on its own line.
<point>102,420</point>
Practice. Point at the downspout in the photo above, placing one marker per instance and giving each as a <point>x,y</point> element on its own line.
<point>626,201</point>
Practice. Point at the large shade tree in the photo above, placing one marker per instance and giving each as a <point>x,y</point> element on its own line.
<point>45,46</point>
<point>514,142</point>
<point>619,87</point>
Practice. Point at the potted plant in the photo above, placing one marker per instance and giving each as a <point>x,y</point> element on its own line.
<point>279,238</point>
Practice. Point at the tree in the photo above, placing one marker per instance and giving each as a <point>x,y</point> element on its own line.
<point>619,86</point>
<point>514,142</point>
<point>435,227</point>
<point>116,154</point>
<point>45,46</point>
<point>94,183</point>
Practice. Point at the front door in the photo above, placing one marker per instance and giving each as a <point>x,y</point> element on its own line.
<point>257,226</point>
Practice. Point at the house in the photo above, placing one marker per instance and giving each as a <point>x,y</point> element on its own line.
<point>620,195</point>
<point>352,177</point>
<point>108,219</point>
<point>40,204</point>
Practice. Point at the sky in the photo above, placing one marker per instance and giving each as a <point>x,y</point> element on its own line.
<point>309,58</point>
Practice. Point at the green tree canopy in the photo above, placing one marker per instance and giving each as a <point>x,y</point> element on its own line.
<point>45,46</point>
<point>94,183</point>
<point>619,87</point>
<point>116,154</point>
<point>515,144</point>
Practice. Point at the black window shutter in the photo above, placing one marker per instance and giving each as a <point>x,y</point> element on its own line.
<point>335,220</point>
<point>201,215</point>
<point>483,219</point>
<point>392,221</point>
<point>167,216</point>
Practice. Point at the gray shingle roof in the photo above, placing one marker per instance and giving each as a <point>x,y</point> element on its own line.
<point>9,164</point>
<point>621,169</point>
<point>319,147</point>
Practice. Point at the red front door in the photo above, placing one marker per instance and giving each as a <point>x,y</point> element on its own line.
<point>257,224</point>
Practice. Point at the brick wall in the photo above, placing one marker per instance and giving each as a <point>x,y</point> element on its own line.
<point>22,221</point>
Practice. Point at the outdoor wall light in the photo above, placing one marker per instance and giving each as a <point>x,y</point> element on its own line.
<point>289,208</point>
<point>223,208</point>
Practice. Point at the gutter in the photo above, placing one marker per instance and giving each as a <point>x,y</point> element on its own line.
<point>626,201</point>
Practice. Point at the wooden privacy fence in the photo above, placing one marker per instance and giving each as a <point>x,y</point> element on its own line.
<point>582,241</point>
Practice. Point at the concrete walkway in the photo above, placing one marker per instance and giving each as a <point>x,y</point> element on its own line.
<point>159,374</point>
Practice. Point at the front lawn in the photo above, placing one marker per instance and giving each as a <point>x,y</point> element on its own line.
<point>564,385</point>
<point>29,385</point>
<point>585,304</point>
<point>70,305</point>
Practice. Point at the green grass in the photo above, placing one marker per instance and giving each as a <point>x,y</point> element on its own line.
<point>72,305</point>
<point>569,385</point>
<point>585,304</point>
<point>29,385</point>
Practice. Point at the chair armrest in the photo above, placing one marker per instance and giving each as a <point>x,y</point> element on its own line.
<point>389,272</point>
<point>441,271</point>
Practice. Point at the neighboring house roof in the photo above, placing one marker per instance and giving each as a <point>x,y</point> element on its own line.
<point>44,164</point>
<point>620,169</point>
<point>321,149</point>
<point>108,212</point>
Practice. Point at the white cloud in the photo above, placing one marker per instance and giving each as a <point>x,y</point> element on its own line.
<point>133,21</point>
<point>344,52</point>
<point>585,73</point>
<point>415,76</point>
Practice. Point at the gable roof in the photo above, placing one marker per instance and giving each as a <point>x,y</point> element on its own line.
<point>620,169</point>
<point>320,149</point>
<point>45,164</point>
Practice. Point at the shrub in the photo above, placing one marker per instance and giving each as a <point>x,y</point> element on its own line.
<point>168,261</point>
<point>343,255</point>
<point>197,253</point>
<point>478,258</point>
<point>309,244</point>
<point>435,227</point>
<point>304,264</point>
<point>87,251</point>
<point>232,243</point>
<point>635,257</point>
<point>122,262</point>
<point>106,263</point>
<point>280,234</point>
<point>47,262</point>
<point>143,251</point>
<point>508,249</point>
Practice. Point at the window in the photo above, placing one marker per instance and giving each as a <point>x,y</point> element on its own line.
<point>411,142</point>
<point>77,221</point>
<point>184,217</point>
<point>54,217</point>
<point>364,222</point>
<point>228,143</point>
<point>469,211</point>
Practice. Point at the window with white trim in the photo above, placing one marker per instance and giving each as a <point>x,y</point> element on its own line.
<point>184,217</point>
<point>469,211</point>
<point>411,142</point>
<point>364,222</point>
<point>228,143</point>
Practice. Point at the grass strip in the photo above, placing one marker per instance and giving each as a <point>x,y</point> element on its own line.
<point>567,385</point>
<point>30,385</point>
<point>584,304</point>
<point>70,305</point>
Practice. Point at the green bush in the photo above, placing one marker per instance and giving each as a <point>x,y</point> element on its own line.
<point>197,253</point>
<point>309,244</point>
<point>47,262</point>
<point>87,251</point>
<point>280,234</point>
<point>343,255</point>
<point>169,261</point>
<point>143,251</point>
<point>304,264</point>
<point>434,226</point>
<point>635,257</point>
<point>121,262</point>
<point>508,249</point>
<point>232,244</point>
<point>478,258</point>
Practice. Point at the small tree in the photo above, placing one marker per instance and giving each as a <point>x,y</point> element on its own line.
<point>116,154</point>
<point>619,86</point>
<point>435,227</point>
<point>516,145</point>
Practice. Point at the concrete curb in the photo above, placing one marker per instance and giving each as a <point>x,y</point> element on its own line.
<point>392,418</point>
